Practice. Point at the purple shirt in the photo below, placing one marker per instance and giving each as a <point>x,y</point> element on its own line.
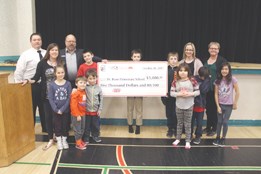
<point>225,91</point>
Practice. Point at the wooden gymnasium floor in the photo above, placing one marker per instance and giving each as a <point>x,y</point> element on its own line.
<point>148,153</point>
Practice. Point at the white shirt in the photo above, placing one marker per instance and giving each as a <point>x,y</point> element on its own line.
<point>71,63</point>
<point>27,64</point>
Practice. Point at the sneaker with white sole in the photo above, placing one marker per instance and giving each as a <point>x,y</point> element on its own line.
<point>80,146</point>
<point>48,145</point>
<point>187,146</point>
<point>197,140</point>
<point>97,139</point>
<point>176,142</point>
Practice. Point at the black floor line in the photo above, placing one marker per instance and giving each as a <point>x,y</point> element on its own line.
<point>158,156</point>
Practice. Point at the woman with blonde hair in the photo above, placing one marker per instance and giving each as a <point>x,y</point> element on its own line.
<point>189,58</point>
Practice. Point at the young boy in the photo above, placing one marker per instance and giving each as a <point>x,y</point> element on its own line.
<point>89,64</point>
<point>77,104</point>
<point>93,107</point>
<point>200,102</point>
<point>135,102</point>
<point>168,101</point>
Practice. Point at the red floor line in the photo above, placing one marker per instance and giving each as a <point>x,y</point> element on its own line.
<point>121,160</point>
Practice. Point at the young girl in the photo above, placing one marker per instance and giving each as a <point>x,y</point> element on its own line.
<point>184,89</point>
<point>224,87</point>
<point>59,98</point>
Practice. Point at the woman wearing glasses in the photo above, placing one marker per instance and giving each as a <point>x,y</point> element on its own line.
<point>213,64</point>
<point>189,57</point>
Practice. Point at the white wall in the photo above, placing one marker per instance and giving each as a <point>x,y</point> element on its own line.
<point>17,24</point>
<point>17,21</point>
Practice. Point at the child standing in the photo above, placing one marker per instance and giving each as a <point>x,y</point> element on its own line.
<point>89,64</point>
<point>59,98</point>
<point>203,80</point>
<point>135,102</point>
<point>168,101</point>
<point>78,107</point>
<point>224,87</point>
<point>184,89</point>
<point>94,107</point>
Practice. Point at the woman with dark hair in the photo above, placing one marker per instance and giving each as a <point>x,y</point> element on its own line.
<point>213,64</point>
<point>45,72</point>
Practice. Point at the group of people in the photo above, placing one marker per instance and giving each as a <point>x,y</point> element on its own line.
<point>53,74</point>
<point>194,87</point>
<point>65,91</point>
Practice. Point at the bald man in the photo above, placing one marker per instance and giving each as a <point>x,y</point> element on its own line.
<point>73,58</point>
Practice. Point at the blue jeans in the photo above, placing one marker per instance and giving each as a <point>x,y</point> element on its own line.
<point>197,117</point>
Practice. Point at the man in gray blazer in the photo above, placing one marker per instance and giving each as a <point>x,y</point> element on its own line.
<point>73,58</point>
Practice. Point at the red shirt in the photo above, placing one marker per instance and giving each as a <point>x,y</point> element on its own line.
<point>84,68</point>
<point>198,109</point>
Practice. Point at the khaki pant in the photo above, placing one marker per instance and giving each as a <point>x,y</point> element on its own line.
<point>137,103</point>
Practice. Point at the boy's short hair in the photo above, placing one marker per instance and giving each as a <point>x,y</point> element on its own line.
<point>136,51</point>
<point>80,78</point>
<point>87,51</point>
<point>203,72</point>
<point>173,54</point>
<point>91,72</point>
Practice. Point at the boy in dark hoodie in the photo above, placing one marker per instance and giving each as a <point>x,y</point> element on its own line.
<point>168,101</point>
<point>203,80</point>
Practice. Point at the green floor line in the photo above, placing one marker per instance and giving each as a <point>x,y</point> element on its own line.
<point>31,163</point>
<point>164,168</point>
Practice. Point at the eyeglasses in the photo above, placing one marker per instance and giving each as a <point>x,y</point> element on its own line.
<point>213,48</point>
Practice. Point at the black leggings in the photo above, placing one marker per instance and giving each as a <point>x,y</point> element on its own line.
<point>211,111</point>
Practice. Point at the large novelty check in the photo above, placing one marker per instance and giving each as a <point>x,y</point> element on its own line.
<point>133,78</point>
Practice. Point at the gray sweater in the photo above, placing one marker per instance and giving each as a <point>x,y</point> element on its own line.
<point>94,98</point>
<point>187,85</point>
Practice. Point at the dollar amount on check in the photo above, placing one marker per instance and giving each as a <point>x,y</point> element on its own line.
<point>131,78</point>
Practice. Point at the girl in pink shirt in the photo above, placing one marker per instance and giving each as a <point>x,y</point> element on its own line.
<point>225,85</point>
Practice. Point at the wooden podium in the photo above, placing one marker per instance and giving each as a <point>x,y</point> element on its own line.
<point>17,136</point>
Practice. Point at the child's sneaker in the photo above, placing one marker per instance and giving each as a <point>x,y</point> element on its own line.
<point>176,142</point>
<point>197,140</point>
<point>187,146</point>
<point>80,146</point>
<point>49,144</point>
<point>216,142</point>
<point>84,143</point>
<point>131,129</point>
<point>97,139</point>
<point>222,142</point>
<point>170,133</point>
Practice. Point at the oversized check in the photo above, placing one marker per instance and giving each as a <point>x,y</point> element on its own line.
<point>133,78</point>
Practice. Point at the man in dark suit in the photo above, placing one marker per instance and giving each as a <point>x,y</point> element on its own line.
<point>73,58</point>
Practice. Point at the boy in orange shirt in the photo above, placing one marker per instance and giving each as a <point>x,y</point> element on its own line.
<point>78,108</point>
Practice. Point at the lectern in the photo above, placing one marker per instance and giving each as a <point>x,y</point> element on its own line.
<point>17,137</point>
